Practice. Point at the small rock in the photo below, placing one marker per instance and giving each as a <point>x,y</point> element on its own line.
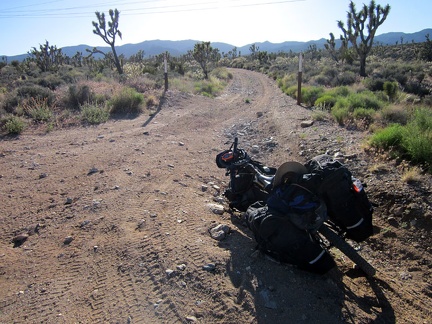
<point>219,199</point>
<point>255,149</point>
<point>181,267</point>
<point>84,223</point>
<point>141,224</point>
<point>306,123</point>
<point>169,272</point>
<point>219,232</point>
<point>216,208</point>
<point>191,318</point>
<point>20,238</point>
<point>43,175</point>
<point>209,267</point>
<point>68,201</point>
<point>181,144</point>
<point>93,170</point>
<point>67,240</point>
<point>204,188</point>
<point>405,275</point>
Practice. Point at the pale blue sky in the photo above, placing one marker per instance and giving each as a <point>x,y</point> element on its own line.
<point>28,23</point>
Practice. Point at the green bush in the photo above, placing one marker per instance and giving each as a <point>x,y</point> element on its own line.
<point>340,113</point>
<point>390,89</point>
<point>342,91</point>
<point>365,99</point>
<point>388,137</point>
<point>222,74</point>
<point>14,125</point>
<point>418,139</point>
<point>364,114</point>
<point>311,94</point>
<point>128,101</point>
<point>412,141</point>
<point>94,114</point>
<point>36,92</point>
<point>210,88</point>
<point>326,101</point>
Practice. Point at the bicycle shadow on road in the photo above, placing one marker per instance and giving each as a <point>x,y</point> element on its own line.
<point>278,293</point>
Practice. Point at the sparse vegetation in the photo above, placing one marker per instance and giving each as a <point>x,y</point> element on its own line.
<point>127,101</point>
<point>13,124</point>
<point>94,114</point>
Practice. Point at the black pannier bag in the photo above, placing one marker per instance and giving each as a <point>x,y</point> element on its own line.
<point>241,191</point>
<point>347,203</point>
<point>278,237</point>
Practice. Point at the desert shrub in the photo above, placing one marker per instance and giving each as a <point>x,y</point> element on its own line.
<point>417,88</point>
<point>35,91</point>
<point>388,137</point>
<point>94,114</point>
<point>342,91</point>
<point>222,74</point>
<point>364,114</point>
<point>79,95</point>
<point>394,114</point>
<point>364,99</point>
<point>326,101</point>
<point>311,94</point>
<point>141,83</point>
<point>51,81</point>
<point>345,79</point>
<point>411,141</point>
<point>417,139</point>
<point>292,91</point>
<point>322,80</point>
<point>374,84</point>
<point>390,89</point>
<point>127,101</point>
<point>14,124</point>
<point>182,84</point>
<point>288,81</point>
<point>37,109</point>
<point>152,101</point>
<point>340,113</point>
<point>210,88</point>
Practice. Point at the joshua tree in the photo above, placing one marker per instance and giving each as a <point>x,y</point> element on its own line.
<point>108,35</point>
<point>204,54</point>
<point>371,17</point>
<point>47,58</point>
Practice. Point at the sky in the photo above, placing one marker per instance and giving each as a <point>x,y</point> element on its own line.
<point>28,23</point>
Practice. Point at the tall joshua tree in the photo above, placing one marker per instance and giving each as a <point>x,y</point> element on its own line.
<point>371,17</point>
<point>108,34</point>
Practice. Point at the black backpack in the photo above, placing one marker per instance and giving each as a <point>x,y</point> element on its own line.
<point>278,237</point>
<point>347,203</point>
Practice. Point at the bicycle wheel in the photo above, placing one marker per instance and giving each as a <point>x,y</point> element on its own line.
<point>348,250</point>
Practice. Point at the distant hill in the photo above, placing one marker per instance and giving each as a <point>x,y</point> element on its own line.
<point>177,48</point>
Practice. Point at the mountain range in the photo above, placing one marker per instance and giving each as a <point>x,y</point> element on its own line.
<point>177,48</point>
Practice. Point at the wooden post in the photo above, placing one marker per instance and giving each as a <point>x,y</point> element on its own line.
<point>299,79</point>
<point>165,72</point>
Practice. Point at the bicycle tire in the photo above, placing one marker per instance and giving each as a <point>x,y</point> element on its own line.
<point>348,250</point>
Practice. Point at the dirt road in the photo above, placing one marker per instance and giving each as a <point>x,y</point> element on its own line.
<point>118,217</point>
